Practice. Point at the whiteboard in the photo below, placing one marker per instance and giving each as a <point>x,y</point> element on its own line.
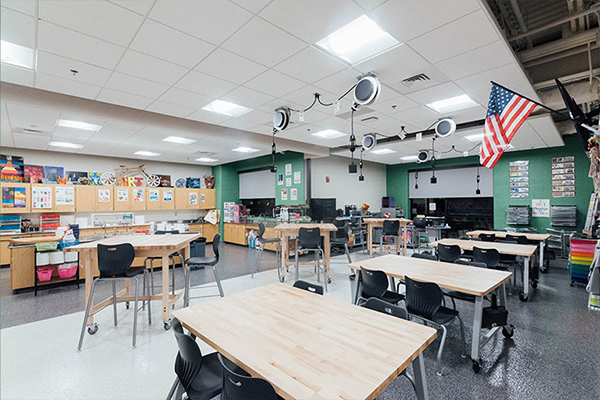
<point>257,185</point>
<point>454,182</point>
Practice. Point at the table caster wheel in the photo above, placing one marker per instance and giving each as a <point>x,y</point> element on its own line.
<point>93,328</point>
<point>508,331</point>
<point>282,279</point>
<point>544,270</point>
<point>476,366</point>
<point>167,325</point>
<point>534,284</point>
<point>352,277</point>
<point>127,305</point>
<point>522,297</point>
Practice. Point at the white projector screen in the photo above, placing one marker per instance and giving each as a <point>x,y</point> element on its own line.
<point>454,182</point>
<point>257,185</point>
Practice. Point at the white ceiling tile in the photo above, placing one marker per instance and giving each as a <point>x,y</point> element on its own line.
<point>469,114</point>
<point>246,97</point>
<point>394,65</point>
<point>134,85</point>
<point>150,68</point>
<point>66,86</point>
<point>310,65</point>
<point>339,82</point>
<point>230,67</point>
<point>77,136</point>
<point>64,42</point>
<point>185,98</point>
<point>31,141</point>
<point>451,39</point>
<point>475,61</point>
<point>121,126</point>
<point>368,5</point>
<point>208,117</point>
<point>110,134</point>
<point>123,99</point>
<point>165,43</point>
<point>526,138</point>
<point>96,147</point>
<point>17,28</point>
<point>141,7</point>
<point>207,85</point>
<point>94,18</point>
<point>505,75</point>
<point>16,75</point>
<point>436,93</point>
<point>417,114</point>
<point>239,124</point>
<point>23,6</point>
<point>274,83</point>
<point>6,138</point>
<point>175,110</point>
<point>26,116</point>
<point>394,104</point>
<point>253,6</point>
<point>257,117</point>
<point>212,21</point>
<point>311,20</point>
<point>51,64</point>
<point>263,42</point>
<point>82,118</point>
<point>408,19</point>
<point>546,129</point>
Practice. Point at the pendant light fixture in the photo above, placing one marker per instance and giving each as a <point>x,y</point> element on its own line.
<point>273,151</point>
<point>416,179</point>
<point>361,176</point>
<point>478,191</point>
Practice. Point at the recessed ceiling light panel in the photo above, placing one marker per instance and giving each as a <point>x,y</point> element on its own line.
<point>206,159</point>
<point>383,151</point>
<point>19,56</point>
<point>146,153</point>
<point>329,134</point>
<point>243,149</point>
<point>475,138</point>
<point>409,158</point>
<point>78,125</point>
<point>178,140</point>
<point>452,104</point>
<point>226,108</point>
<point>66,145</point>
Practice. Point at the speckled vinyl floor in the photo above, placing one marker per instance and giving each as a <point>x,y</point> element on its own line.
<point>554,354</point>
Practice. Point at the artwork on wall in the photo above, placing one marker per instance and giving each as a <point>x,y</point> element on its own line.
<point>34,173</point>
<point>77,177</point>
<point>288,169</point>
<point>195,183</point>
<point>103,195</point>
<point>94,178</point>
<point>165,180</point>
<point>563,176</point>
<point>52,174</point>
<point>41,197</point>
<point>519,179</point>
<point>180,183</point>
<point>297,177</point>
<point>284,194</point>
<point>280,179</point>
<point>138,194</point>
<point>13,197</point>
<point>209,181</point>
<point>11,168</point>
<point>153,195</point>
<point>294,194</point>
<point>122,194</point>
<point>540,208</point>
<point>288,182</point>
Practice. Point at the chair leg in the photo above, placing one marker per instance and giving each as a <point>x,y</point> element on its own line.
<point>114,293</point>
<point>218,281</point>
<point>324,269</point>
<point>152,276</point>
<point>441,350</point>
<point>462,337</point>
<point>347,253</point>
<point>149,306</point>
<point>87,314</point>
<point>186,293</point>
<point>317,266</point>
<point>173,276</point>
<point>257,260</point>
<point>381,245</point>
<point>173,389</point>
<point>135,311</point>
<point>296,260</point>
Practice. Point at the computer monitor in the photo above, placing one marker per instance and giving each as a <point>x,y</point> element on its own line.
<point>575,113</point>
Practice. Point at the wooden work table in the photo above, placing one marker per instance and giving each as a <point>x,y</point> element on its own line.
<point>310,346</point>
<point>373,222</point>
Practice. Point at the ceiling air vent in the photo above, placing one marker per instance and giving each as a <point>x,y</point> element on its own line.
<point>370,119</point>
<point>204,153</point>
<point>29,131</point>
<point>410,81</point>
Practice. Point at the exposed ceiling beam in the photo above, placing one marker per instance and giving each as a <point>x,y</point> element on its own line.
<point>555,23</point>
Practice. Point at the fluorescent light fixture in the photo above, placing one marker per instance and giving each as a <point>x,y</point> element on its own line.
<point>452,104</point>
<point>475,138</point>
<point>66,144</point>
<point>178,140</point>
<point>146,153</point>
<point>14,54</point>
<point>383,151</point>
<point>226,108</point>
<point>206,159</point>
<point>78,125</point>
<point>329,134</point>
<point>243,149</point>
<point>357,41</point>
<point>410,158</point>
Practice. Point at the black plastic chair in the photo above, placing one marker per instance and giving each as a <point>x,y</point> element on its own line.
<point>424,256</point>
<point>420,231</point>
<point>311,287</point>
<point>203,262</point>
<point>391,229</point>
<point>309,240</point>
<point>171,265</point>
<point>448,253</point>
<point>342,240</point>
<point>200,376</point>
<point>375,284</point>
<point>424,301</point>
<point>456,295</point>
<point>487,237</point>
<point>242,387</point>
<point>490,257</point>
<point>395,311</point>
<point>263,241</point>
<point>520,239</point>
<point>114,263</point>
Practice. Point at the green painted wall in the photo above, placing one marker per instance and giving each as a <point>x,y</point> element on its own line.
<point>227,180</point>
<point>540,182</point>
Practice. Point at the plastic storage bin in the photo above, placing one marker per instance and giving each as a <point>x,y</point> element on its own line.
<point>44,274</point>
<point>198,247</point>
<point>42,259</point>
<point>57,257</point>
<point>70,256</point>
<point>68,270</point>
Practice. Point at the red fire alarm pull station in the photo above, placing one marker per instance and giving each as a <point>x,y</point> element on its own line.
<point>326,179</point>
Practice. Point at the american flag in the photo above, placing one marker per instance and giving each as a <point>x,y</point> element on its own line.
<point>506,113</point>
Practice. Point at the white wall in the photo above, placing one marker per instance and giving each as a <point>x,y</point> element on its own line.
<point>345,187</point>
<point>79,162</point>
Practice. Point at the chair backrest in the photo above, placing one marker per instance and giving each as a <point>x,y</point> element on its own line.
<point>189,358</point>
<point>471,263</point>
<point>487,237</point>
<point>424,256</point>
<point>386,308</point>
<point>346,230</point>
<point>374,283</point>
<point>391,228</point>
<point>261,230</point>
<point>215,245</point>
<point>114,260</point>
<point>311,287</point>
<point>237,387</point>
<point>310,238</point>
<point>491,257</point>
<point>419,222</point>
<point>448,252</point>
<point>173,232</point>
<point>520,239</point>
<point>423,298</point>
<point>506,241</point>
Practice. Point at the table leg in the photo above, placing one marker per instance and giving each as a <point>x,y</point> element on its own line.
<point>357,287</point>
<point>284,254</point>
<point>526,265</point>
<point>369,240</point>
<point>477,328</point>
<point>327,252</point>
<point>165,287</point>
<point>420,379</point>
<point>541,255</point>
<point>89,278</point>
<point>405,238</point>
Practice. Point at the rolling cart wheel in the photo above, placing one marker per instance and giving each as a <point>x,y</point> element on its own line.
<point>476,366</point>
<point>282,279</point>
<point>544,270</point>
<point>522,297</point>
<point>534,284</point>
<point>167,325</point>
<point>352,277</point>
<point>572,284</point>
<point>92,328</point>
<point>328,279</point>
<point>127,305</point>
<point>508,331</point>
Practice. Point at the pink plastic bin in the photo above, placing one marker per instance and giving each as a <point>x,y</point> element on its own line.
<point>44,274</point>
<point>68,272</point>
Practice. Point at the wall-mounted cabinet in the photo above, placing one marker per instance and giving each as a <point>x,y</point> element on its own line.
<point>42,197</point>
<point>138,198</point>
<point>207,199</point>
<point>160,198</point>
<point>94,198</point>
<point>122,198</point>
<point>16,197</point>
<point>64,198</point>
<point>187,199</point>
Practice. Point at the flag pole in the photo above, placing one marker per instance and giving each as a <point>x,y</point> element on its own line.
<point>586,126</point>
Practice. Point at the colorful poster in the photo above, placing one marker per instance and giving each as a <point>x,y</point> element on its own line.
<point>52,174</point>
<point>202,198</point>
<point>153,195</point>
<point>540,208</point>
<point>13,197</point>
<point>11,169</point>
<point>138,195</point>
<point>77,177</point>
<point>165,180</point>
<point>288,182</point>
<point>563,176</point>
<point>65,195</point>
<point>122,194</point>
<point>294,194</point>
<point>519,179</point>
<point>280,179</point>
<point>297,177</point>
<point>41,197</point>
<point>33,173</point>
<point>167,195</point>
<point>103,195</point>
<point>193,198</point>
<point>284,194</point>
<point>94,178</point>
<point>288,169</point>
